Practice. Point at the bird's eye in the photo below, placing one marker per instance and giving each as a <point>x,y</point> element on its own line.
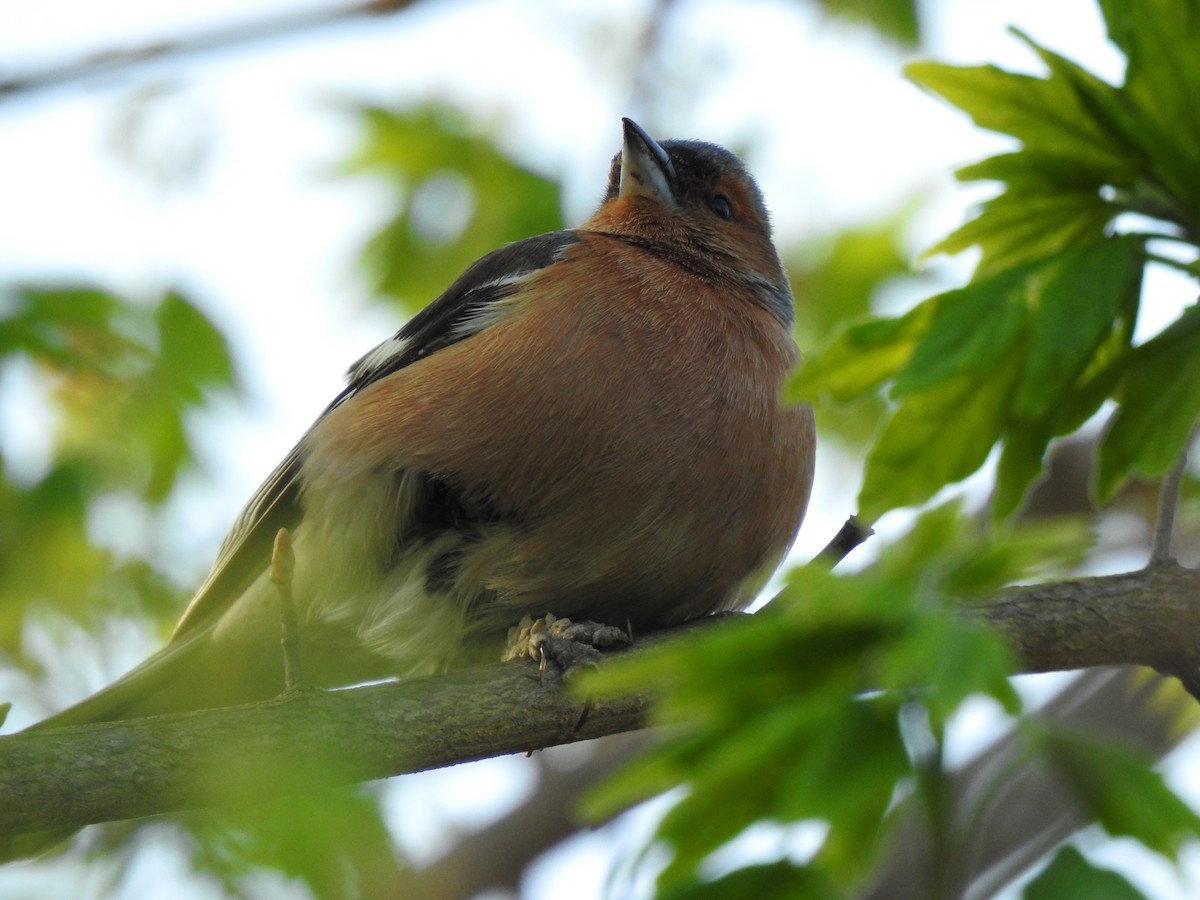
<point>719,204</point>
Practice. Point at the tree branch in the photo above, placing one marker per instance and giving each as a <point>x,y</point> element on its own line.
<point>1168,501</point>
<point>69,777</point>
<point>852,533</point>
<point>1150,617</point>
<point>107,62</point>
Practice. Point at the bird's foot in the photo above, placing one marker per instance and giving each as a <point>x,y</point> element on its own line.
<point>562,642</point>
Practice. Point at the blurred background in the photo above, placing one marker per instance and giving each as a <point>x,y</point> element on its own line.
<point>208,210</point>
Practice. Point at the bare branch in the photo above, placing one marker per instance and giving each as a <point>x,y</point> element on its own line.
<point>283,567</point>
<point>1168,500</point>
<point>108,62</point>
<point>851,534</point>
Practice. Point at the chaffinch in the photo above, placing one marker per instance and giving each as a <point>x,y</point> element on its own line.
<point>586,423</point>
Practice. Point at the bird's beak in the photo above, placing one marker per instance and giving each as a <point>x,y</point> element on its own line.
<point>646,169</point>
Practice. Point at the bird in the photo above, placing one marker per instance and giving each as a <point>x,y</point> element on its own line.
<point>587,424</point>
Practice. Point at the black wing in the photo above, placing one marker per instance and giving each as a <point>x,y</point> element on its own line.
<point>467,307</point>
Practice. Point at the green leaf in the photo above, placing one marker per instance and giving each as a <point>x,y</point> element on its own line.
<point>1163,74</point>
<point>936,437</point>
<point>1160,167</point>
<point>1091,150</point>
<point>125,375</point>
<point>1098,99</point>
<point>1044,114</point>
<point>1119,787</point>
<point>193,358</point>
<point>1058,328</point>
<point>1020,227</point>
<point>860,749</point>
<point>1023,551</point>
<point>74,328</point>
<point>895,19</point>
<point>972,328</point>
<point>330,838</point>
<point>835,277</point>
<point>118,376</point>
<point>860,358</point>
<point>460,197</point>
<point>730,792</point>
<point>1020,466</point>
<point>1069,372</point>
<point>1071,877</point>
<point>765,742</point>
<point>1077,296</point>
<point>780,880</point>
<point>45,553</point>
<point>949,660</point>
<point>1160,404</point>
<point>194,351</point>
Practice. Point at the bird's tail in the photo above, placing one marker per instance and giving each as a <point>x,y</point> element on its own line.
<point>188,674</point>
<point>185,675</point>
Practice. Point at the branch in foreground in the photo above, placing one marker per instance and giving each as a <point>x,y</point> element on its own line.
<point>1149,617</point>
<point>996,835</point>
<point>107,62</point>
<point>69,777</point>
<point>1168,502</point>
<point>852,533</point>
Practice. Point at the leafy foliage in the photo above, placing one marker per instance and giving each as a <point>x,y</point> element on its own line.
<point>1160,404</point>
<point>316,837</point>
<point>1071,877</point>
<point>447,172</point>
<point>842,680</point>
<point>833,279</point>
<point>833,701</point>
<point>121,378</point>
<point>774,880</point>
<point>123,375</point>
<point>895,19</point>
<point>1118,787</point>
<point>1043,335</point>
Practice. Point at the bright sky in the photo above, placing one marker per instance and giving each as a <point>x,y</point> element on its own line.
<point>267,238</point>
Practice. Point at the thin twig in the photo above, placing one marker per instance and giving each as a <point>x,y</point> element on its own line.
<point>1188,268</point>
<point>283,566</point>
<point>646,82</point>
<point>850,536</point>
<point>107,62</point>
<point>1168,502</point>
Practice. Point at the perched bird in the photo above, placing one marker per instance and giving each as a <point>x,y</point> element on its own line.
<point>586,423</point>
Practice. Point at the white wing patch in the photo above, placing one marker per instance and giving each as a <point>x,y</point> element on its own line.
<point>480,307</point>
<point>483,317</point>
<point>378,357</point>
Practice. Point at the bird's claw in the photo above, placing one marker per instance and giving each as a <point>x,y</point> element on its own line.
<point>566,644</point>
